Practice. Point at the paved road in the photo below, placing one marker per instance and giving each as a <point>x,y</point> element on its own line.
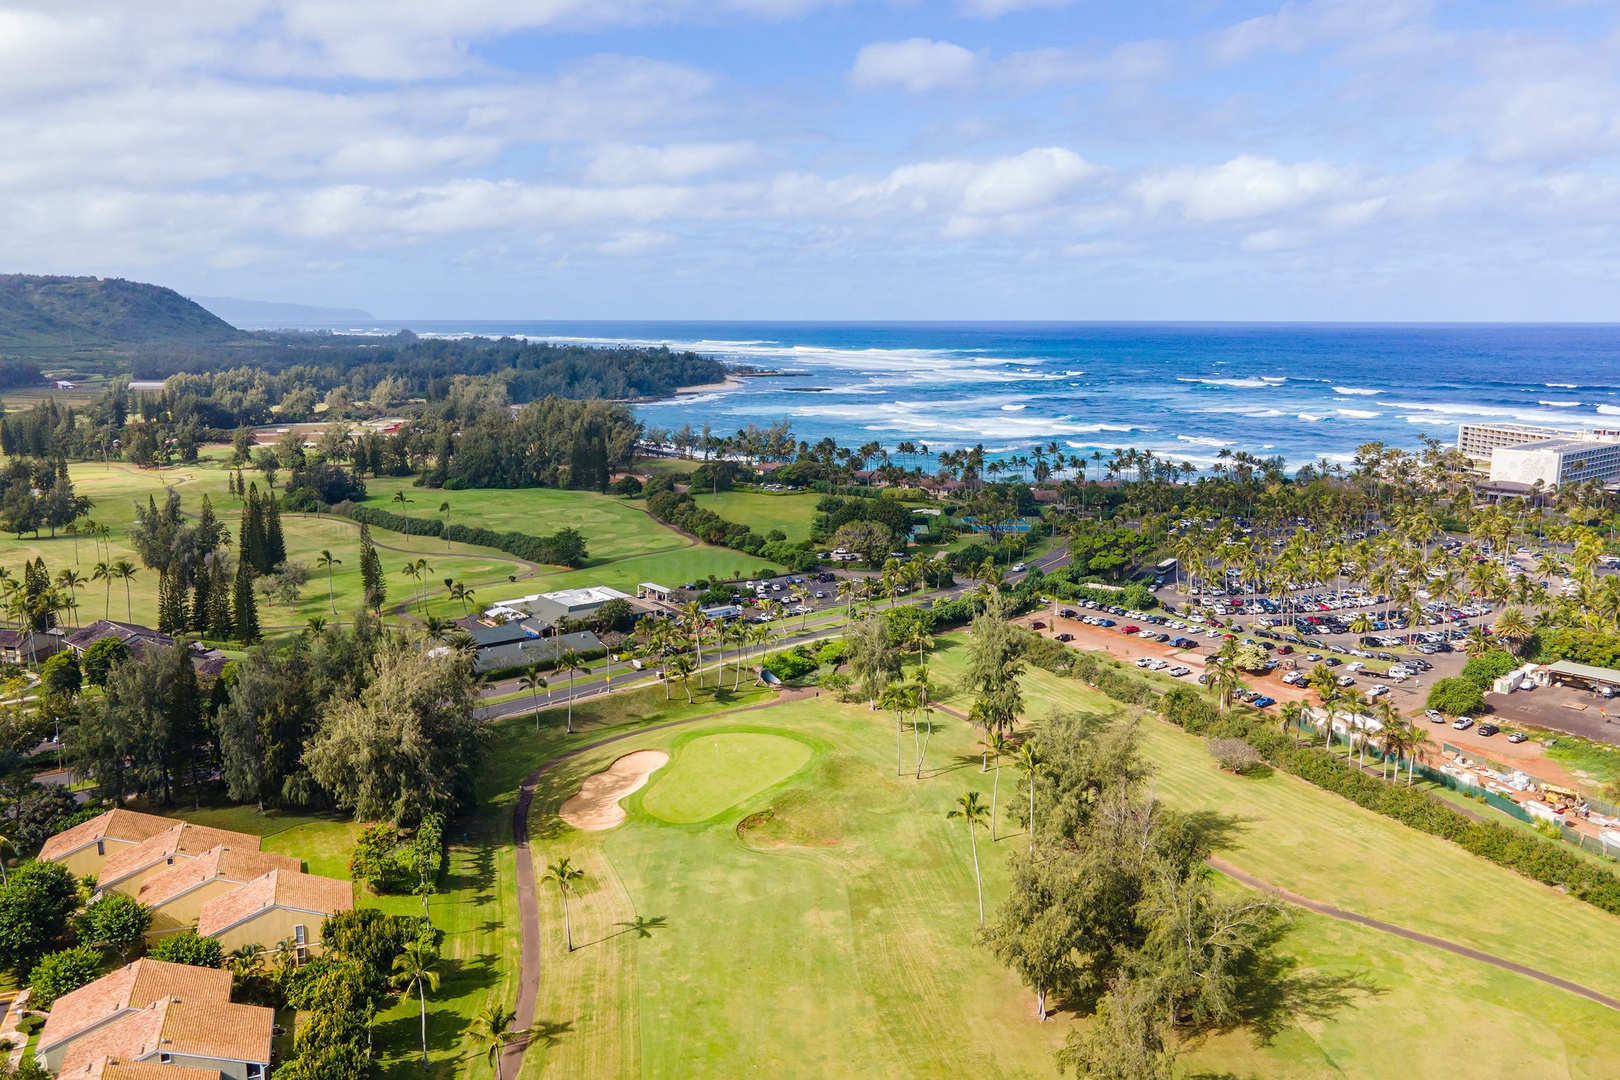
<point>625,677</point>
<point>1410,935</point>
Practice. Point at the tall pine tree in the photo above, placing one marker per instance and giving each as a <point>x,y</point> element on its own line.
<point>220,623</point>
<point>244,607</point>
<point>275,547</point>
<point>371,572</point>
<point>250,546</point>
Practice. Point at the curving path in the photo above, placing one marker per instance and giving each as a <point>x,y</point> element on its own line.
<point>529,963</point>
<point>1410,935</point>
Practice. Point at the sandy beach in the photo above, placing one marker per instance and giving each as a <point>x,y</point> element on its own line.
<point>725,384</point>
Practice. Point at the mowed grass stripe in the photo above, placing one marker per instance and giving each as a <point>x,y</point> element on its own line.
<point>1317,844</point>
<point>714,771</point>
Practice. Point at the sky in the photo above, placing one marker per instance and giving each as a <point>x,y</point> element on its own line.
<point>816,159</point>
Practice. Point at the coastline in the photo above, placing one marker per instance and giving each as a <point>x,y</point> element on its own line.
<point>730,382</point>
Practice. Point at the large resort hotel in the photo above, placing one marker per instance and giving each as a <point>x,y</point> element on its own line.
<point>1518,457</point>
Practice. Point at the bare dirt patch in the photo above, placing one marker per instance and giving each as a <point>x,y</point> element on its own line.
<point>596,807</point>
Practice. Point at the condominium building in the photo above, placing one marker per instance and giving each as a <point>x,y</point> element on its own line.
<point>1525,454</point>
<point>1558,462</point>
<point>1477,441</point>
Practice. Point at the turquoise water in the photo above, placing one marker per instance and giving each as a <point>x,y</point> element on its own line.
<point>1184,391</point>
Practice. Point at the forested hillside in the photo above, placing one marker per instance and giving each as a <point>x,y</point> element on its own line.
<point>61,314</point>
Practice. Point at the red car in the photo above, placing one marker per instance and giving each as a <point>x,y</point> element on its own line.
<point>1130,630</point>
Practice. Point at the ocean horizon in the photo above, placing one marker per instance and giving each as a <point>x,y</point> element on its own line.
<point>1185,390</point>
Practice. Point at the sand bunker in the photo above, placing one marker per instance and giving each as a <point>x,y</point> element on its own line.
<point>596,807</point>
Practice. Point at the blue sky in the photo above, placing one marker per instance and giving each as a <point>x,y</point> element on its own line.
<point>816,159</point>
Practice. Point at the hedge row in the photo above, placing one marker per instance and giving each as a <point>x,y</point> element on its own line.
<point>565,547</point>
<point>1546,861</point>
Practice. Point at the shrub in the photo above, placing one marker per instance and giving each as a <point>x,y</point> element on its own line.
<point>626,485</point>
<point>61,674</point>
<point>381,860</point>
<point>61,973</point>
<point>100,657</point>
<point>1484,670</point>
<point>1456,696</point>
<point>832,653</point>
<point>186,947</point>
<point>1234,755</point>
<point>789,665</point>
<point>116,921</point>
<point>328,483</point>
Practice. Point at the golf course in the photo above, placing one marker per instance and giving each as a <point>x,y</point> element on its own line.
<point>778,901</point>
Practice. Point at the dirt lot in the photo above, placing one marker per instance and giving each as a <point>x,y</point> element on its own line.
<point>1561,709</point>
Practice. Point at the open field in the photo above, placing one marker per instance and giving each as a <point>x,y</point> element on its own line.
<point>762,511</point>
<point>1321,846</point>
<point>835,936</point>
<point>117,488</point>
<point>613,527</point>
<point>627,547</point>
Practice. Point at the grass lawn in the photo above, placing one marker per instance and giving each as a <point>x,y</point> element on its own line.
<point>476,908</point>
<point>833,936</point>
<point>627,547</point>
<point>1325,847</point>
<point>613,527</point>
<point>117,488</point>
<point>763,511</point>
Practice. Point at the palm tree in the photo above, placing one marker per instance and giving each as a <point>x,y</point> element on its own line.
<point>1511,627</point>
<point>1415,738</point>
<point>681,667</point>
<point>534,682</point>
<point>416,969</point>
<point>72,581</point>
<point>894,700</point>
<point>1029,762</point>
<point>569,663</point>
<point>314,625</point>
<point>997,743</point>
<point>412,570</point>
<point>103,572</point>
<point>564,873</point>
<point>327,561</point>
<point>247,960</point>
<point>492,1029</point>
<point>1293,715</point>
<point>694,626</point>
<point>971,810</point>
<point>124,570</point>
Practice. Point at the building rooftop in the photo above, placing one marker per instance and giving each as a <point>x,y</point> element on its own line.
<point>133,986</point>
<point>225,862</point>
<point>278,888</point>
<point>1585,671</point>
<point>182,838</point>
<point>125,825</point>
<point>205,1029</point>
<point>112,1068</point>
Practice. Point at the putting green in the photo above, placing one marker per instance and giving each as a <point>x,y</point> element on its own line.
<point>712,772</point>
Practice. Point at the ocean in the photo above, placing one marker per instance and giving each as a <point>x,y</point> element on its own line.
<point>1184,391</point>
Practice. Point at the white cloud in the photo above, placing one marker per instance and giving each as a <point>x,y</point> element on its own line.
<point>916,65</point>
<point>620,164</point>
<point>1244,187</point>
<point>990,9</point>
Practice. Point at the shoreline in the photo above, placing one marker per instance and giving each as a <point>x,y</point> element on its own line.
<point>730,382</point>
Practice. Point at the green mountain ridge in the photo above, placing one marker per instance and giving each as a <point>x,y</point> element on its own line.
<point>58,313</point>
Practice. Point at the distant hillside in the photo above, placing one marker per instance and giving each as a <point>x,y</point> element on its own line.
<point>271,315</point>
<point>39,312</point>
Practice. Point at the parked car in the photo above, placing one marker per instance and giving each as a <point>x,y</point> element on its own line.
<point>1178,671</point>
<point>1463,723</point>
<point>1065,637</point>
<point>1435,716</point>
<point>1262,701</point>
<point>1517,737</point>
<point>1037,625</point>
<point>1345,680</point>
<point>1487,730</point>
<point>1293,677</point>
